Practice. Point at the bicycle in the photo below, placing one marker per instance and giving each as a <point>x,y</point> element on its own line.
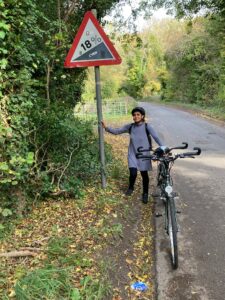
<point>165,160</point>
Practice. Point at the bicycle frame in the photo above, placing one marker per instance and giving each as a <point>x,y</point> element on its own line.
<point>163,178</point>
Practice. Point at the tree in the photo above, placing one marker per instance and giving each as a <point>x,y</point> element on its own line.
<point>187,7</point>
<point>42,147</point>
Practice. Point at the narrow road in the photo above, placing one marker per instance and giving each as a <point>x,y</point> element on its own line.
<point>200,184</point>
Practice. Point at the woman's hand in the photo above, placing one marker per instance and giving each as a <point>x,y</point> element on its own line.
<point>103,124</point>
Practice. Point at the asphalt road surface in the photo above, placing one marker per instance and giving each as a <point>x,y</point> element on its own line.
<point>200,184</point>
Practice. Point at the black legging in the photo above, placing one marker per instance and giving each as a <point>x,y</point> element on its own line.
<point>145,179</point>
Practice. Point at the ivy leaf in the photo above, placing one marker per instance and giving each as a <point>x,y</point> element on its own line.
<point>14,182</point>
<point>6,212</point>
<point>30,158</point>
<point>34,65</point>
<point>2,34</point>
<point>4,51</point>
<point>7,180</point>
<point>3,62</point>
<point>4,25</point>
<point>4,166</point>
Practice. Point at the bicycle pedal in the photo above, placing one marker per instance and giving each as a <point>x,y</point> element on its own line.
<point>158,215</point>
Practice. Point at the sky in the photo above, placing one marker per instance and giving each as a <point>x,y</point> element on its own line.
<point>141,22</point>
<point>157,15</point>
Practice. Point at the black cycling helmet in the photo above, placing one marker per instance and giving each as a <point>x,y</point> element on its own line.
<point>138,109</point>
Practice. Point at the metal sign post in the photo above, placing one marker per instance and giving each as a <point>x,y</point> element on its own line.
<point>92,47</point>
<point>100,128</point>
<point>99,113</point>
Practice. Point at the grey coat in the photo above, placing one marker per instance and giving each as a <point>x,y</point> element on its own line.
<point>138,138</point>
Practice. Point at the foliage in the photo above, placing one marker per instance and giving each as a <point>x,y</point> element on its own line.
<point>40,142</point>
<point>50,283</point>
<point>195,66</point>
<point>65,154</point>
<point>134,82</point>
<point>43,149</point>
<point>57,284</point>
<point>110,85</point>
<point>142,58</point>
<point>196,69</point>
<point>181,60</point>
<point>111,76</point>
<point>190,7</point>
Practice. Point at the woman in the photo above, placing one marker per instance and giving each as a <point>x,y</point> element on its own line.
<point>140,136</point>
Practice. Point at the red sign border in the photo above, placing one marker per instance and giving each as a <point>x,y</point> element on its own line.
<point>68,64</point>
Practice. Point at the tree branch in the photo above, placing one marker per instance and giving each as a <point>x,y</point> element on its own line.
<point>71,9</point>
<point>69,161</point>
<point>18,253</point>
<point>48,82</point>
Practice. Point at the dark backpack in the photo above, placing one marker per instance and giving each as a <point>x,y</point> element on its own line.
<point>147,133</point>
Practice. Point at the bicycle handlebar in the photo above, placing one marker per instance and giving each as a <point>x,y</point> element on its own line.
<point>185,146</point>
<point>197,152</point>
<point>140,155</point>
<point>179,147</point>
<point>140,149</point>
<point>181,155</point>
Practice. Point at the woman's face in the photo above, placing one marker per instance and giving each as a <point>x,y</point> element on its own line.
<point>137,117</point>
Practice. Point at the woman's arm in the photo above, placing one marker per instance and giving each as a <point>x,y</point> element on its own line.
<point>154,135</point>
<point>120,130</point>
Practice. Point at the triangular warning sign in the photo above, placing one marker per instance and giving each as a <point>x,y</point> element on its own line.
<point>91,46</point>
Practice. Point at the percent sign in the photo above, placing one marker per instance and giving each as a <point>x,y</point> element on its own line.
<point>96,39</point>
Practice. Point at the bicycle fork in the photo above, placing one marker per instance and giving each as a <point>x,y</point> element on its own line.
<point>169,204</point>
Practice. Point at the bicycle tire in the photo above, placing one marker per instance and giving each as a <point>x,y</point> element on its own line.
<point>172,232</point>
<point>159,174</point>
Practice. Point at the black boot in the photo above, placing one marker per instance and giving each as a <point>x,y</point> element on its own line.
<point>129,192</point>
<point>145,198</point>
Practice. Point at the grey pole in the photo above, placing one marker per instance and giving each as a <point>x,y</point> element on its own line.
<point>99,112</point>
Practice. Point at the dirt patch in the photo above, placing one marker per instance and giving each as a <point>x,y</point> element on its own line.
<point>131,256</point>
<point>121,251</point>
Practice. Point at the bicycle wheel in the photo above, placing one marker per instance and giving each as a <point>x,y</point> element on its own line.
<point>159,174</point>
<point>172,231</point>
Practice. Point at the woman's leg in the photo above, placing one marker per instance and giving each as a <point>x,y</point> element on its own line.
<point>132,178</point>
<point>145,181</point>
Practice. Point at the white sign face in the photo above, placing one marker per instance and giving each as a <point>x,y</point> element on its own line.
<point>91,46</point>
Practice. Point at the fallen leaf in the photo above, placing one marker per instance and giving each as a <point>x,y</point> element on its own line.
<point>129,261</point>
